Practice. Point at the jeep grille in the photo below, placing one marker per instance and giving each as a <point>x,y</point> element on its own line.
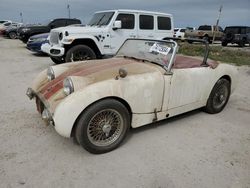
<point>54,37</point>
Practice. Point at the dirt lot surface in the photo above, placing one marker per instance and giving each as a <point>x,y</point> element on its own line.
<point>192,150</point>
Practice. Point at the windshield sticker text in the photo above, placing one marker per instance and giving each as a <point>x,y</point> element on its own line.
<point>159,49</point>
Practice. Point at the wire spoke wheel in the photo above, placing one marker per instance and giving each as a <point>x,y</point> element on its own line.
<point>105,127</point>
<point>220,97</point>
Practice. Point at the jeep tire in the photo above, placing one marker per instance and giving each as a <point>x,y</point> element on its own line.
<point>224,43</point>
<point>242,43</point>
<point>79,53</point>
<point>57,60</point>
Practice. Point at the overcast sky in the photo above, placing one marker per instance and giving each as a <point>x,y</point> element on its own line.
<point>185,12</point>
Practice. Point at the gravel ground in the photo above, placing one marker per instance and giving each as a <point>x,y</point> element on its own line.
<point>192,150</point>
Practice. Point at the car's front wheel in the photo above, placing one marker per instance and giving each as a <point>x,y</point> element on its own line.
<point>242,43</point>
<point>80,53</point>
<point>206,38</point>
<point>218,97</point>
<point>12,35</point>
<point>103,126</point>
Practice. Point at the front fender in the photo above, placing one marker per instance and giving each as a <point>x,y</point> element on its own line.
<point>144,95</point>
<point>79,37</point>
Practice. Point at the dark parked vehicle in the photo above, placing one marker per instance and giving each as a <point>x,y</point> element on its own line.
<point>11,32</point>
<point>35,42</point>
<point>26,32</point>
<point>8,25</point>
<point>236,34</point>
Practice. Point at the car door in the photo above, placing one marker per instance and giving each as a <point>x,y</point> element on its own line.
<point>186,86</point>
<point>146,26</point>
<point>127,30</point>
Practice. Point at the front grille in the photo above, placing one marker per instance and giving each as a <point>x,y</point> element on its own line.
<point>54,37</point>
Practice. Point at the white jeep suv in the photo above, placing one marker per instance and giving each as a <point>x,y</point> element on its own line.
<point>105,33</point>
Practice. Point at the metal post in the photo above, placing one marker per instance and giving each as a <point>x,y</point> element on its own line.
<point>21,16</point>
<point>217,23</point>
<point>68,7</point>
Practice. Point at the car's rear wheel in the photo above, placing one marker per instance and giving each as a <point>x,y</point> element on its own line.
<point>103,126</point>
<point>218,97</point>
<point>57,60</point>
<point>242,43</point>
<point>224,43</point>
<point>206,38</point>
<point>80,53</point>
<point>12,35</point>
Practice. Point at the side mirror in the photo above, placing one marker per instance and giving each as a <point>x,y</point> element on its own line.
<point>117,25</point>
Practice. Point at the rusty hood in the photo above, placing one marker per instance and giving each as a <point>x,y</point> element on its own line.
<point>95,71</point>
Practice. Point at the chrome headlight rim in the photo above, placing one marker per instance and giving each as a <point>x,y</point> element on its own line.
<point>68,86</point>
<point>50,74</point>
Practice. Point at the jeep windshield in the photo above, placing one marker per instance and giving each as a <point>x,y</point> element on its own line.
<point>158,52</point>
<point>100,19</point>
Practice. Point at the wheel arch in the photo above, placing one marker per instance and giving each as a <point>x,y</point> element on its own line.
<point>124,102</point>
<point>88,42</point>
<point>227,77</point>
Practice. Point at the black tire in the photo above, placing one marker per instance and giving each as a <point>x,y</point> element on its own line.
<point>229,36</point>
<point>24,40</point>
<point>224,43</point>
<point>242,43</point>
<point>218,97</point>
<point>12,35</point>
<point>206,38</point>
<point>79,53</point>
<point>57,60</point>
<point>105,136</point>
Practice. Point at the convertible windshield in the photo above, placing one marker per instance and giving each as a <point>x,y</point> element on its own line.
<point>159,52</point>
<point>102,18</point>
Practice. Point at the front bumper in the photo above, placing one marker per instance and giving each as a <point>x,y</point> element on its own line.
<point>35,46</point>
<point>42,106</point>
<point>53,50</point>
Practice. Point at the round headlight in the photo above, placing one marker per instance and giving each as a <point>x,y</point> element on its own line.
<point>50,74</point>
<point>60,36</point>
<point>68,86</point>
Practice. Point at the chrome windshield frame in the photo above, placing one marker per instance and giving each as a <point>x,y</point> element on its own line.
<point>171,61</point>
<point>172,40</point>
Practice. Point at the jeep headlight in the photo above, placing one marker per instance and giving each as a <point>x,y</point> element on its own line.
<point>68,86</point>
<point>50,74</point>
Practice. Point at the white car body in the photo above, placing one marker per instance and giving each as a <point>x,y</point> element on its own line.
<point>179,33</point>
<point>107,39</point>
<point>149,91</point>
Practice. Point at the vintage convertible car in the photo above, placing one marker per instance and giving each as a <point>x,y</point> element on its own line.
<point>97,101</point>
